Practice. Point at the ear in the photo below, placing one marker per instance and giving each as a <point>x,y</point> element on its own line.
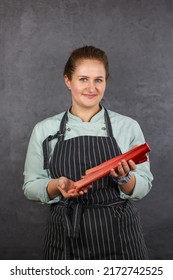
<point>67,82</point>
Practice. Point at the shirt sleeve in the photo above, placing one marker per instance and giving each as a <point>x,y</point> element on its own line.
<point>142,173</point>
<point>143,182</point>
<point>36,178</point>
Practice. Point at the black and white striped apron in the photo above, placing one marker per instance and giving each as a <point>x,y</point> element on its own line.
<point>96,225</point>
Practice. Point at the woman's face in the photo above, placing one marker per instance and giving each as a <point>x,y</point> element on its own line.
<point>88,83</point>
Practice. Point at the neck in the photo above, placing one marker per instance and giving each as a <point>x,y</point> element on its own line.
<point>85,114</point>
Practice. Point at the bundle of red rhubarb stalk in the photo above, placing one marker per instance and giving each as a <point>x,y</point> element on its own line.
<point>137,154</point>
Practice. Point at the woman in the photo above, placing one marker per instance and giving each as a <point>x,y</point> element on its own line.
<point>100,221</point>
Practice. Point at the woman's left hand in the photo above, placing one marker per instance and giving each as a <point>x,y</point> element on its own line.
<point>123,169</point>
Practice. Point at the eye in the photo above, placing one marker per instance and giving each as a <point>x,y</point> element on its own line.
<point>99,80</point>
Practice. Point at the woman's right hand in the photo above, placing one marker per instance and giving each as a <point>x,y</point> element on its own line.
<point>62,186</point>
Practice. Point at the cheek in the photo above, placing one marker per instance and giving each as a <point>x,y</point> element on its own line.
<point>75,92</point>
<point>77,89</point>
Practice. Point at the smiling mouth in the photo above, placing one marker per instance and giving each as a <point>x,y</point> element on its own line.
<point>90,95</point>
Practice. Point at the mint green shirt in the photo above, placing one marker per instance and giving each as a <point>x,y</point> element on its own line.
<point>126,131</point>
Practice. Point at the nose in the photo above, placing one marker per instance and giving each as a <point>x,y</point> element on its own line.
<point>91,86</point>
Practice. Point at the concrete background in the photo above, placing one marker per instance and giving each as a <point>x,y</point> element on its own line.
<point>36,38</point>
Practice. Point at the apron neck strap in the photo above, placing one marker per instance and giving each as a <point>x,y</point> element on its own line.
<point>59,135</point>
<point>108,124</point>
<point>62,128</point>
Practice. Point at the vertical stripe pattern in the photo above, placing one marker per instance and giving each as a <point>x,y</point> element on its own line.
<point>99,224</point>
<point>89,151</point>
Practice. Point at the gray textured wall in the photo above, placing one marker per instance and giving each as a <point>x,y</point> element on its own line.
<point>36,37</point>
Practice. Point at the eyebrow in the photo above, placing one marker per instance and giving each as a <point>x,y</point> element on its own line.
<point>84,76</point>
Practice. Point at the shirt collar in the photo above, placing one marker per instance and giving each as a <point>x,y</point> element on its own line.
<point>96,118</point>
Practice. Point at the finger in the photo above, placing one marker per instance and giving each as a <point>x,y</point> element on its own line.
<point>81,192</point>
<point>120,169</point>
<point>74,192</point>
<point>88,187</point>
<point>125,166</point>
<point>71,191</point>
<point>132,165</point>
<point>114,173</point>
<point>85,189</point>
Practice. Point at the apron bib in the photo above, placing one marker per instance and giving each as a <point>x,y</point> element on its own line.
<point>96,225</point>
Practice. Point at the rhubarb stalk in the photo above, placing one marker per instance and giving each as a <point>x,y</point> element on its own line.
<point>137,154</point>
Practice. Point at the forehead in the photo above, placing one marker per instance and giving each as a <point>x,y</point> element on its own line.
<point>90,66</point>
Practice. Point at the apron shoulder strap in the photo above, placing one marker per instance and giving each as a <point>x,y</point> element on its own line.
<point>108,124</point>
<point>59,135</point>
<point>110,132</point>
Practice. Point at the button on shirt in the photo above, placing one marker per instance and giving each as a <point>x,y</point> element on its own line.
<point>126,131</point>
